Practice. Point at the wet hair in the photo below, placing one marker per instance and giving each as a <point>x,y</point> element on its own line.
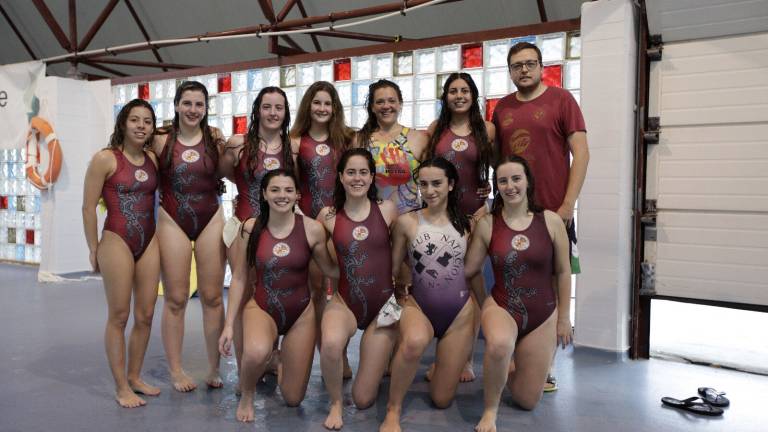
<point>339,194</point>
<point>210,143</point>
<point>516,48</point>
<point>371,124</point>
<point>339,135</point>
<point>263,218</point>
<point>476,124</point>
<point>530,194</point>
<point>252,137</point>
<point>118,134</point>
<point>458,219</point>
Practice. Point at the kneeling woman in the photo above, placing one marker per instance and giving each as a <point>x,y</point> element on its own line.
<point>439,305</point>
<point>125,175</point>
<point>359,226</point>
<point>275,248</point>
<point>525,315</point>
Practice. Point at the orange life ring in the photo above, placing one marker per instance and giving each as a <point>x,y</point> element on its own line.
<point>38,128</point>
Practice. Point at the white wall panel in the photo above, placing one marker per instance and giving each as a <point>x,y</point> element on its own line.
<point>679,20</point>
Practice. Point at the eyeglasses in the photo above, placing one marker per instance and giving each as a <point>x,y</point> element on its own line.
<point>530,65</point>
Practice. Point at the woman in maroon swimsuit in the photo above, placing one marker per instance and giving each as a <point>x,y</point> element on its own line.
<point>190,222</point>
<point>359,226</point>
<point>127,256</point>
<point>525,315</point>
<point>275,249</point>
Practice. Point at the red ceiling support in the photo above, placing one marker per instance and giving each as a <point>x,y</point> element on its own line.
<point>542,10</point>
<point>73,24</point>
<point>18,33</point>
<point>143,30</point>
<point>104,68</point>
<point>127,62</point>
<point>53,25</point>
<point>97,25</point>
<point>285,10</point>
<point>360,36</point>
<point>315,42</point>
<point>274,46</point>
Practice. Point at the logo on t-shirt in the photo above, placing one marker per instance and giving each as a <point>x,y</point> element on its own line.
<point>519,141</point>
<point>190,156</point>
<point>271,163</point>
<point>360,233</point>
<point>520,242</point>
<point>141,175</point>
<point>322,149</point>
<point>459,144</point>
<point>539,114</point>
<point>281,249</point>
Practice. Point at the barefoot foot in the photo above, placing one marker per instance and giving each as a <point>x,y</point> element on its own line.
<point>487,423</point>
<point>128,399</point>
<point>334,421</point>
<point>391,422</point>
<point>245,409</point>
<point>140,387</point>
<point>182,382</point>
<point>214,381</point>
<point>468,374</point>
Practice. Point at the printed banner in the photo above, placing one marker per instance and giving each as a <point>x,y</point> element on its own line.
<point>18,101</point>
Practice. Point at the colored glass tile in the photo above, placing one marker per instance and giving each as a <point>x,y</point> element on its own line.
<point>4,202</point>
<point>240,125</point>
<point>30,236</point>
<point>20,204</point>
<point>574,45</point>
<point>12,235</point>
<point>288,76</point>
<point>490,105</point>
<point>342,69</point>
<point>144,91</point>
<point>471,56</point>
<point>225,83</point>
<point>552,75</point>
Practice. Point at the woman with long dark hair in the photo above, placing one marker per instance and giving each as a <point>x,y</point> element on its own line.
<point>274,251</point>
<point>439,304</point>
<point>190,221</point>
<point>125,176</point>
<point>525,315</point>
<point>358,223</point>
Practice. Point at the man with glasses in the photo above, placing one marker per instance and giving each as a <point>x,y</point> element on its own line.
<point>545,126</point>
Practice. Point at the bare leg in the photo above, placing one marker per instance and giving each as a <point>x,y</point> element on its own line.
<point>337,327</point>
<point>533,356</point>
<point>376,348</point>
<point>452,350</point>
<point>209,257</point>
<point>415,334</point>
<point>296,354</point>
<point>259,335</point>
<point>117,267</point>
<point>146,278</point>
<point>500,331</point>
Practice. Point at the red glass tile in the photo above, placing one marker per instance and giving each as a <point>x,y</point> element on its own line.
<point>552,76</point>
<point>471,56</point>
<point>490,105</point>
<point>12,235</point>
<point>30,234</point>
<point>3,202</point>
<point>240,125</point>
<point>342,70</point>
<point>225,83</point>
<point>144,91</point>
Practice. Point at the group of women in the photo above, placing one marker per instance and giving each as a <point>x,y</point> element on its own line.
<point>395,219</point>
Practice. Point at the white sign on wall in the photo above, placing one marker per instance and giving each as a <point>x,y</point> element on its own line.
<point>18,101</point>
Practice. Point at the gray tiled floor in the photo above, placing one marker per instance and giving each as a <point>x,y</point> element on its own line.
<point>54,376</point>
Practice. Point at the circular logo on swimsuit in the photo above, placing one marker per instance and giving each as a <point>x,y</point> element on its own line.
<point>271,163</point>
<point>281,249</point>
<point>459,144</point>
<point>360,233</point>
<point>322,149</point>
<point>141,175</point>
<point>520,242</point>
<point>190,156</point>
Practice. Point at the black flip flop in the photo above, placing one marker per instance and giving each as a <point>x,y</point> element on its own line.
<point>714,397</point>
<point>691,404</point>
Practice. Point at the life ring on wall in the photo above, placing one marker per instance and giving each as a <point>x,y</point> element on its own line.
<point>39,127</point>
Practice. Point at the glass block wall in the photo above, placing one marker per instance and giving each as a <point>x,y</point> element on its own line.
<point>419,73</point>
<point>19,211</point>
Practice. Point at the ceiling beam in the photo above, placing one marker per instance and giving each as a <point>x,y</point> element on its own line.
<point>73,24</point>
<point>18,33</point>
<point>268,10</point>
<point>58,33</point>
<point>104,68</point>
<point>143,30</point>
<point>289,40</point>
<point>285,10</point>
<point>128,62</point>
<point>97,25</point>
<point>360,36</point>
<point>315,41</point>
<point>542,10</point>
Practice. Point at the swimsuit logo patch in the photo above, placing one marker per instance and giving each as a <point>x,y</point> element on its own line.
<point>281,249</point>
<point>360,233</point>
<point>190,156</point>
<point>141,175</point>
<point>459,144</point>
<point>322,149</point>
<point>271,163</point>
<point>520,242</point>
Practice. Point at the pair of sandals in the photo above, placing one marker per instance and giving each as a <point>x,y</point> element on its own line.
<point>709,402</point>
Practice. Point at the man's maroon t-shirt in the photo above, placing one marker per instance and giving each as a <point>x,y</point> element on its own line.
<point>538,130</point>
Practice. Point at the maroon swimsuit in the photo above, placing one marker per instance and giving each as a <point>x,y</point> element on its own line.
<point>463,153</point>
<point>523,267</point>
<point>248,182</point>
<point>281,273</point>
<point>365,258</point>
<point>317,171</point>
<point>129,194</point>
<point>189,187</point>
